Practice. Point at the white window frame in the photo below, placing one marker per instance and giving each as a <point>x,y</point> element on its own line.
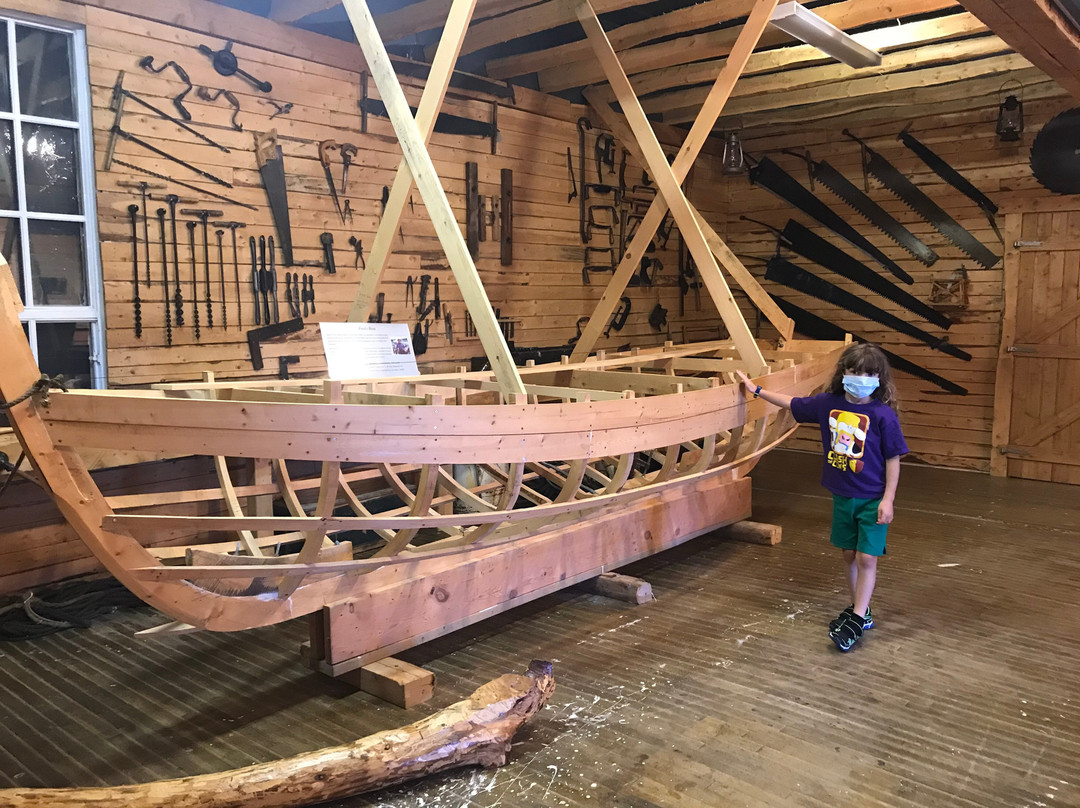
<point>92,314</point>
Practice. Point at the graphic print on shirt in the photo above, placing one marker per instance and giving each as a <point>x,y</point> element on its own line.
<point>848,439</point>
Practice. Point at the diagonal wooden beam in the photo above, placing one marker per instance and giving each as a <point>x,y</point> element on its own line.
<point>292,10</point>
<point>670,177</point>
<point>442,68</point>
<point>775,315</point>
<point>438,206</point>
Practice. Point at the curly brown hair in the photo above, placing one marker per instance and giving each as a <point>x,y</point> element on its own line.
<point>865,357</point>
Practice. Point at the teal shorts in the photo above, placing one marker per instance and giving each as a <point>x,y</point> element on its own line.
<point>855,527</point>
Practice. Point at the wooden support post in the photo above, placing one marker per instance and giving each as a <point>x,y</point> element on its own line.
<point>393,680</point>
<point>752,532</point>
<point>442,68</point>
<point>414,147</point>
<point>699,133</point>
<point>622,587</point>
<point>669,185</point>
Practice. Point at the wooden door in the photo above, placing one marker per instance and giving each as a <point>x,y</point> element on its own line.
<point>1037,398</point>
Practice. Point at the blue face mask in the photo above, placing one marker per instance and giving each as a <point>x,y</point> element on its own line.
<point>860,386</point>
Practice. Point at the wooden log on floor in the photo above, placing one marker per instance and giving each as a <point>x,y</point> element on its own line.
<point>622,587</point>
<point>753,532</point>
<point>393,680</point>
<point>474,732</point>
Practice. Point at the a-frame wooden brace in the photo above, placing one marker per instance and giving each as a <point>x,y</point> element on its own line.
<point>442,68</point>
<point>413,145</point>
<point>669,179</point>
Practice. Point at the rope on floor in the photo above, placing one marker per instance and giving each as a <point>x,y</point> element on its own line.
<point>74,604</point>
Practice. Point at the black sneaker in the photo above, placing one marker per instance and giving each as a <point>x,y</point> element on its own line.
<point>847,633</point>
<point>867,622</point>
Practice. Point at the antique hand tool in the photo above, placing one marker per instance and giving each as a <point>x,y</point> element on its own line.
<point>618,320</point>
<point>907,192</point>
<point>325,147</point>
<point>348,152</point>
<point>304,294</point>
<point>271,162</point>
<point>280,109</point>
<point>472,208</point>
<point>165,277</point>
<point>225,63</point>
<point>221,272</point>
<point>178,296</point>
<point>272,278</point>
<point>296,293</point>
<point>425,281</point>
<point>255,279</point>
<point>952,176</point>
<point>380,301</point>
<point>573,179</point>
<point>294,310</point>
<point>506,217</point>
<point>232,226</point>
<point>813,247</point>
<point>866,207</point>
<point>311,291</point>
<point>161,153</point>
<point>147,63</point>
<point>448,323</point>
<point>256,336</point>
<point>358,246</point>
<point>194,278</point>
<point>384,199</point>
<point>795,277</point>
<point>204,215</point>
<point>327,241</point>
<point>348,212</point>
<point>410,291</point>
<point>770,176</point>
<point>120,93</point>
<point>419,337</point>
<point>143,186</point>
<point>206,94</point>
<point>815,327</point>
<point>437,301</point>
<point>264,280</point>
<point>183,184</point>
<point>133,213</point>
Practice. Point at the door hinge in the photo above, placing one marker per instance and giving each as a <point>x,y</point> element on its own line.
<point>1013,451</point>
<point>1024,349</point>
<point>1027,243</point>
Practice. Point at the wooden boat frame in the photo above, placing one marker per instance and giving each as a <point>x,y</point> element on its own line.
<point>558,443</point>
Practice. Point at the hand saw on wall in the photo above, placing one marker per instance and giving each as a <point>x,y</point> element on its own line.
<point>904,189</point>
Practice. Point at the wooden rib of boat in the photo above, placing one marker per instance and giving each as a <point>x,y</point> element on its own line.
<point>387,458</point>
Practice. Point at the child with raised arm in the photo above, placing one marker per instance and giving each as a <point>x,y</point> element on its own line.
<point>863,445</point>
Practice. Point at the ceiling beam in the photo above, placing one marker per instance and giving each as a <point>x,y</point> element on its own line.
<point>809,78</point>
<point>571,65</point>
<point>1039,33</point>
<point>556,12</point>
<point>883,39</point>
<point>914,79</point>
<point>290,11</point>
<point>429,14</point>
<point>899,105</point>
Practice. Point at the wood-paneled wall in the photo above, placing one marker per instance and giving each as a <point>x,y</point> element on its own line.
<point>542,291</point>
<point>958,122</point>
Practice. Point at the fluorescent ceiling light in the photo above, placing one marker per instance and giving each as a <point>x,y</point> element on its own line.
<point>802,23</point>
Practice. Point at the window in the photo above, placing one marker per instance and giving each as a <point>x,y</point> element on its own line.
<point>47,211</point>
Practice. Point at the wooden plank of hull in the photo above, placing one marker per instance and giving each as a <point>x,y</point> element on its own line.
<point>396,612</point>
<point>481,434</point>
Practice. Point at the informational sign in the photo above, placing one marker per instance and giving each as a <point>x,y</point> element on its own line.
<point>368,350</point>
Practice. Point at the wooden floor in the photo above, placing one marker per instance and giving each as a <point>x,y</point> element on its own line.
<point>726,691</point>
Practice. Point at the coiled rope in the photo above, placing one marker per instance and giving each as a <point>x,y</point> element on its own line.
<point>39,388</point>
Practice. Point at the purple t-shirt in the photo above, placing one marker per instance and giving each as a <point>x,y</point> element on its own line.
<point>858,439</point>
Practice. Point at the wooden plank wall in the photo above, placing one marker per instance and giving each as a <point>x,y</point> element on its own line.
<point>957,121</point>
<point>542,290</point>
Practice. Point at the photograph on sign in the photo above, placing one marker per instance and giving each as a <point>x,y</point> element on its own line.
<point>368,350</point>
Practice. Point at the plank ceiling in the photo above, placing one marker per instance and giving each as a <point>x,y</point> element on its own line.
<point>673,50</point>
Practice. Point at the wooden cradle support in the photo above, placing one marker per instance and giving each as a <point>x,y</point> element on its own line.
<point>405,605</point>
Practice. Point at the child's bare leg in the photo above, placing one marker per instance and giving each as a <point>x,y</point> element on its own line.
<point>851,570</point>
<point>866,569</point>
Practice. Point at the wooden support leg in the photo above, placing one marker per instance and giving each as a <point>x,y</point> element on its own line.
<point>622,587</point>
<point>752,532</point>
<point>699,133</point>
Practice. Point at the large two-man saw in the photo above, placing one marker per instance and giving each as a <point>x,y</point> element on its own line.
<point>928,210</point>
